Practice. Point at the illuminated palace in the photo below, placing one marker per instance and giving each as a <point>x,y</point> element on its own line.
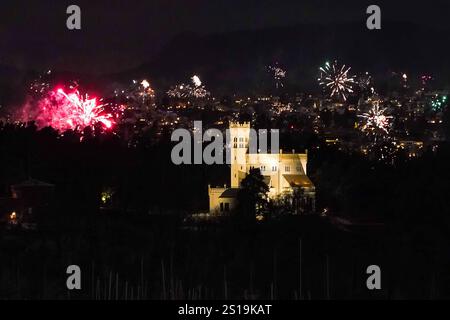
<point>282,172</point>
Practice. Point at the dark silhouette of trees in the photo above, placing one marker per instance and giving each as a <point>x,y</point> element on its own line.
<point>446,120</point>
<point>151,194</point>
<point>252,197</point>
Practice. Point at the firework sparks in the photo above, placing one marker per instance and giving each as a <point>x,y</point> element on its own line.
<point>67,111</point>
<point>438,102</point>
<point>138,99</point>
<point>84,111</point>
<point>376,119</point>
<point>376,124</point>
<point>336,80</point>
<point>146,92</point>
<point>196,81</point>
<point>365,82</point>
<point>278,75</point>
<point>41,85</point>
<point>425,80</point>
<point>178,91</point>
<point>195,90</point>
<point>137,91</point>
<point>145,84</point>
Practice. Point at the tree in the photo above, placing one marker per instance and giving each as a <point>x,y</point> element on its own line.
<point>446,118</point>
<point>252,197</point>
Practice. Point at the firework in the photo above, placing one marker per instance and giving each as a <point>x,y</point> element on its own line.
<point>134,103</point>
<point>41,85</point>
<point>139,91</point>
<point>67,111</point>
<point>278,75</point>
<point>145,91</point>
<point>194,90</point>
<point>84,111</point>
<point>438,103</point>
<point>365,82</point>
<point>376,120</point>
<point>384,150</point>
<point>378,143</point>
<point>404,80</point>
<point>278,108</point>
<point>425,81</point>
<point>336,79</point>
<point>196,81</point>
<point>178,91</point>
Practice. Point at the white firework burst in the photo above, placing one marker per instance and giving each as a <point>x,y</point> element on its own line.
<point>336,80</point>
<point>196,81</point>
<point>376,119</point>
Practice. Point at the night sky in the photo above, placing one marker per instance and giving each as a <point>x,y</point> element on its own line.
<point>117,35</point>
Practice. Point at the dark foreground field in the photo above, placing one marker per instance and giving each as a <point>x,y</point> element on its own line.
<point>160,258</point>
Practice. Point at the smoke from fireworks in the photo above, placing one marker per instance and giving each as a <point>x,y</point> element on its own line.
<point>336,80</point>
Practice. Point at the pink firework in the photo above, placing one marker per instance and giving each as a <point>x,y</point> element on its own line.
<point>84,112</point>
<point>64,111</point>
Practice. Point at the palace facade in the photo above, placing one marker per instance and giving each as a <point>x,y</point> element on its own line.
<point>282,172</point>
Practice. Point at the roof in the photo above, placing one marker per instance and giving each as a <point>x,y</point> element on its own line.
<point>230,193</point>
<point>32,183</point>
<point>298,180</point>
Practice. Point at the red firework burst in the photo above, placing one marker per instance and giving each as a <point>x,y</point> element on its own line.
<point>64,111</point>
